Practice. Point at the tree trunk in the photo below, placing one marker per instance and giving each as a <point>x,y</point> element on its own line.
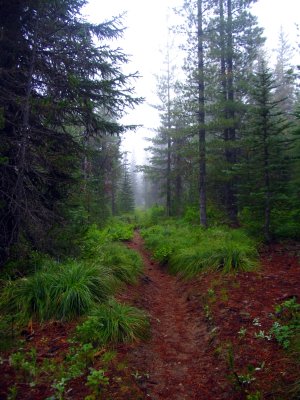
<point>231,151</point>
<point>168,143</point>
<point>201,119</point>
<point>267,210</point>
<point>18,201</point>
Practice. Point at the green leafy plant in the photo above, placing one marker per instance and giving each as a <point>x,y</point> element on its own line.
<point>242,332</point>
<point>241,380</point>
<point>96,381</point>
<point>287,329</point>
<point>118,230</point>
<point>262,335</point>
<point>12,393</point>
<point>60,389</point>
<point>25,363</point>
<point>79,359</point>
<point>114,322</point>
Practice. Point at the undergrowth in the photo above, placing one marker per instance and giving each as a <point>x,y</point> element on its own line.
<point>71,288</point>
<point>189,250</point>
<point>113,322</point>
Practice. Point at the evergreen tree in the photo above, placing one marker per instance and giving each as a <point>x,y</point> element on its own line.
<point>57,88</point>
<point>266,165</point>
<point>284,75</point>
<point>126,194</point>
<point>234,44</point>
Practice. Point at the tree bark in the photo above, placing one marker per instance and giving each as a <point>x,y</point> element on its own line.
<point>201,119</point>
<point>231,150</point>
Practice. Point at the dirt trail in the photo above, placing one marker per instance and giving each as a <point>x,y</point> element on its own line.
<point>174,360</point>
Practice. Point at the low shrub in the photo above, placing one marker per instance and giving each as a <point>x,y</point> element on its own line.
<point>114,322</point>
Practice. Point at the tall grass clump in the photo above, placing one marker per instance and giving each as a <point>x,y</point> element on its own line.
<point>118,230</point>
<point>165,240</point>
<point>217,249</point>
<point>189,250</point>
<point>62,293</point>
<point>114,322</point>
<point>125,264</point>
<point>27,297</point>
<point>77,287</point>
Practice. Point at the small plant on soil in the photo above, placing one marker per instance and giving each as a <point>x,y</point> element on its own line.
<point>79,358</point>
<point>242,332</point>
<point>254,396</point>
<point>59,389</point>
<point>12,393</point>
<point>287,329</point>
<point>256,322</point>
<point>262,335</point>
<point>25,363</point>
<point>241,381</point>
<point>96,381</point>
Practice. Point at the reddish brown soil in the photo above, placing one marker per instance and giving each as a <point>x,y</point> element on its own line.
<point>195,327</point>
<point>194,330</point>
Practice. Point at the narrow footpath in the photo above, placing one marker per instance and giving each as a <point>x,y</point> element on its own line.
<point>175,363</point>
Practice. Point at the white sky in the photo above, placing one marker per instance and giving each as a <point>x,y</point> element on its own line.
<point>146,35</point>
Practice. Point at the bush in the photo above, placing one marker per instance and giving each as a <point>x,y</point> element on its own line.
<point>114,322</point>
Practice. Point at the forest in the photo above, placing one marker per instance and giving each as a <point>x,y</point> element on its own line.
<point>174,279</point>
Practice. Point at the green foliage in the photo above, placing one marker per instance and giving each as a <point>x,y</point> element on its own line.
<point>25,363</point>
<point>28,297</point>
<point>189,250</point>
<point>114,322</point>
<point>72,288</point>
<point>124,264</point>
<point>64,292</point>
<point>287,331</point>
<point>95,238</point>
<point>77,288</point>
<point>118,230</point>
<point>152,216</point>
<point>96,380</point>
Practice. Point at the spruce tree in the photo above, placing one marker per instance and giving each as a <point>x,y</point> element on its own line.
<point>266,165</point>
<point>57,87</point>
<point>126,193</point>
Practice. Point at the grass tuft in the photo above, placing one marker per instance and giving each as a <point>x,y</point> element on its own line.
<point>114,322</point>
<point>189,250</point>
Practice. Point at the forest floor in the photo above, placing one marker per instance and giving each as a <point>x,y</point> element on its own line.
<point>209,337</point>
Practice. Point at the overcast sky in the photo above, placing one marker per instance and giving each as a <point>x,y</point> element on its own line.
<point>146,36</point>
